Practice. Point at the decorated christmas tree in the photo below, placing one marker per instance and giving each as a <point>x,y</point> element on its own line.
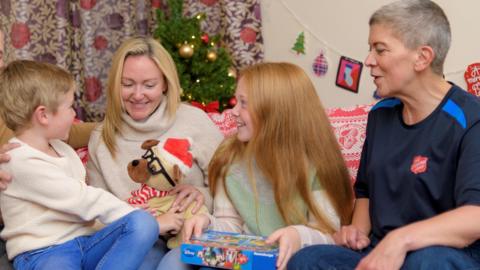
<point>299,45</point>
<point>206,71</point>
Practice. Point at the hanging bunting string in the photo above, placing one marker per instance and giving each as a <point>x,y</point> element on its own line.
<point>308,29</point>
<point>331,48</point>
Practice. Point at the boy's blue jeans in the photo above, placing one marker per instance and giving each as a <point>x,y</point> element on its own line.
<point>333,257</point>
<point>121,245</point>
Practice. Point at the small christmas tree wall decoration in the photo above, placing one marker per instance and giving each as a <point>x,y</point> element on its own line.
<point>204,67</point>
<point>299,46</point>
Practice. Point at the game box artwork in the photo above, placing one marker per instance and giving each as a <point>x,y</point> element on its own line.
<point>230,251</point>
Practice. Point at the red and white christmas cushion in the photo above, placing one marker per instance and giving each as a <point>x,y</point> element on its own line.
<point>225,121</point>
<point>349,126</point>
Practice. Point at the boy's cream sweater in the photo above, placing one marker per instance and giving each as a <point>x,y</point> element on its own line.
<point>48,202</point>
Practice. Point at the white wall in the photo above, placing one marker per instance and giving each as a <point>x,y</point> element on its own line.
<point>340,27</point>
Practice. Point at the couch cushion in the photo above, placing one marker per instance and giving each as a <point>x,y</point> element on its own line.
<point>349,125</point>
<point>225,121</point>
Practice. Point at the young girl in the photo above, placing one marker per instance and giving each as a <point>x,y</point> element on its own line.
<point>283,175</point>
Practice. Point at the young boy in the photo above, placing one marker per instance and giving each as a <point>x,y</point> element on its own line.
<point>48,210</point>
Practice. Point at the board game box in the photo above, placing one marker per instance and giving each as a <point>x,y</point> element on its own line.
<point>230,251</point>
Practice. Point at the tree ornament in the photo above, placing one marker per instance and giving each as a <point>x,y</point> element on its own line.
<point>232,102</point>
<point>205,38</point>
<point>212,56</point>
<point>203,80</point>
<point>232,72</point>
<point>299,46</point>
<point>320,65</point>
<point>186,50</point>
<point>200,16</point>
<point>209,108</point>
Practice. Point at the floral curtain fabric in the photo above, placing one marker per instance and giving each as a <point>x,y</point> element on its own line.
<point>82,35</point>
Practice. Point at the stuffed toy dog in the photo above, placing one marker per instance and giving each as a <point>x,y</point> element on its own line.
<point>161,168</point>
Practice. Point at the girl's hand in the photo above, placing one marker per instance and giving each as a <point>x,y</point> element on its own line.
<point>195,225</point>
<point>186,194</point>
<point>351,237</point>
<point>171,222</point>
<point>6,178</point>
<point>288,242</point>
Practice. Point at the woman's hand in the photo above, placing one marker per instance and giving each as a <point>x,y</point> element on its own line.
<point>6,178</point>
<point>171,222</point>
<point>288,243</point>
<point>389,253</point>
<point>195,225</point>
<point>351,237</point>
<point>186,194</point>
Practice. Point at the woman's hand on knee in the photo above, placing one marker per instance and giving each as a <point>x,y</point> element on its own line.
<point>351,237</point>
<point>185,195</point>
<point>195,226</point>
<point>6,178</point>
<point>389,253</point>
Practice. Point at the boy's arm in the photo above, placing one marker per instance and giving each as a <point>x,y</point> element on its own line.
<point>46,184</point>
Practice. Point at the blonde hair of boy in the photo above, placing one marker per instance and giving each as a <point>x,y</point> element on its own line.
<point>134,47</point>
<point>292,135</point>
<point>25,85</point>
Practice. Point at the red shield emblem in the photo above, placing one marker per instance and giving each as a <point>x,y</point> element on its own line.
<point>419,164</point>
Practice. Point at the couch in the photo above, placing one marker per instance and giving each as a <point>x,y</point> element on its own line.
<point>348,123</point>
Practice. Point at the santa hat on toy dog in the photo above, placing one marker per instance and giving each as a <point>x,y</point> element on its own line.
<point>177,151</point>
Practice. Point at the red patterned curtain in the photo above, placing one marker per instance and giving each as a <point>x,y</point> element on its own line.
<point>81,35</point>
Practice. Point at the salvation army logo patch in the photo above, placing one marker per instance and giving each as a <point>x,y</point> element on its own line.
<point>419,164</point>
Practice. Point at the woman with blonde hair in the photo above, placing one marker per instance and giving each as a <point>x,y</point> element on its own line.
<point>282,175</point>
<point>143,102</point>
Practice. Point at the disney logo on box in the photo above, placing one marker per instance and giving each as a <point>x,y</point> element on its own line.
<point>188,252</point>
